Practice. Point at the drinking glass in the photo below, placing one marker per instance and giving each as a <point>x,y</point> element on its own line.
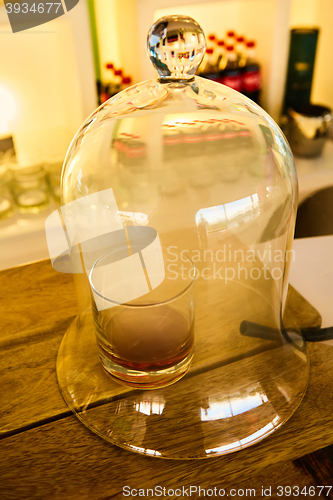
<point>6,200</point>
<point>30,188</point>
<point>146,342</point>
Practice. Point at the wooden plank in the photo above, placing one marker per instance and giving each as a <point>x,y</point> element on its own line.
<point>30,391</point>
<point>44,306</point>
<point>37,306</point>
<point>29,388</point>
<point>307,431</point>
<point>89,480</point>
<point>34,299</point>
<point>63,459</point>
<point>309,428</point>
<point>274,482</point>
<point>319,465</point>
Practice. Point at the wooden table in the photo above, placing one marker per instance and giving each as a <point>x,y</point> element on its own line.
<point>46,453</point>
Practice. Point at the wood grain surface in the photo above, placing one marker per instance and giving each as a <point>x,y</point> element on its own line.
<point>46,453</point>
<point>46,303</point>
<point>63,459</point>
<point>28,295</point>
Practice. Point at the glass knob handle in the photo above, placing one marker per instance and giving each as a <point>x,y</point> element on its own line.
<point>176,46</point>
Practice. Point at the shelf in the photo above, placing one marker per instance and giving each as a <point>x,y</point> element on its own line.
<point>23,240</point>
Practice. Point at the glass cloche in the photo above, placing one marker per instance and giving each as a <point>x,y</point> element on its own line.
<point>178,208</point>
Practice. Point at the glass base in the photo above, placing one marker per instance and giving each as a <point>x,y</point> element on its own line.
<point>146,379</point>
<point>219,406</point>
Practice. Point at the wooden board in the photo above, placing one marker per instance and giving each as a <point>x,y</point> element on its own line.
<point>63,459</point>
<point>44,302</point>
<point>28,295</point>
<point>46,453</point>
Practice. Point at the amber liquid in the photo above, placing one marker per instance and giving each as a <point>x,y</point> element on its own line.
<point>146,340</point>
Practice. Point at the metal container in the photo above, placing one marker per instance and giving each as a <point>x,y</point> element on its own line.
<point>307,130</point>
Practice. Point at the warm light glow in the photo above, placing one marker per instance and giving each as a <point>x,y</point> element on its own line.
<point>150,407</point>
<point>7,110</point>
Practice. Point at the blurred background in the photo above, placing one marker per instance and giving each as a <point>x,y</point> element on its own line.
<point>277,52</point>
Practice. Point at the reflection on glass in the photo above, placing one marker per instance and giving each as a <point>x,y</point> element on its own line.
<point>146,451</point>
<point>229,214</point>
<point>136,218</point>
<point>218,409</point>
<point>241,405</point>
<point>255,436</point>
<point>224,449</point>
<point>214,217</point>
<point>233,405</point>
<point>150,407</point>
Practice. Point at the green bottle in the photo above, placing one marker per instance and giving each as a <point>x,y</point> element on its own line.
<point>303,44</point>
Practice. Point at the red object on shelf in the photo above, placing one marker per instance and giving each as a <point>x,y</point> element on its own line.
<point>232,75</point>
<point>251,73</point>
<point>118,72</point>
<point>212,38</point>
<point>126,80</point>
<point>221,43</point>
<point>252,82</point>
<point>209,51</point>
<point>240,39</point>
<point>109,66</point>
<point>231,34</point>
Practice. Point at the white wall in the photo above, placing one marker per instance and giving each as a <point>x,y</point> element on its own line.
<point>48,70</point>
<point>118,33</point>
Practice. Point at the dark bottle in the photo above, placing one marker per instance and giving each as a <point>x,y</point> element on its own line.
<point>251,74</point>
<point>231,75</point>
<point>240,49</point>
<point>209,69</point>
<point>221,54</point>
<point>303,44</point>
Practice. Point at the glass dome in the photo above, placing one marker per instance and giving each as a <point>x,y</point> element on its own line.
<point>206,178</point>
